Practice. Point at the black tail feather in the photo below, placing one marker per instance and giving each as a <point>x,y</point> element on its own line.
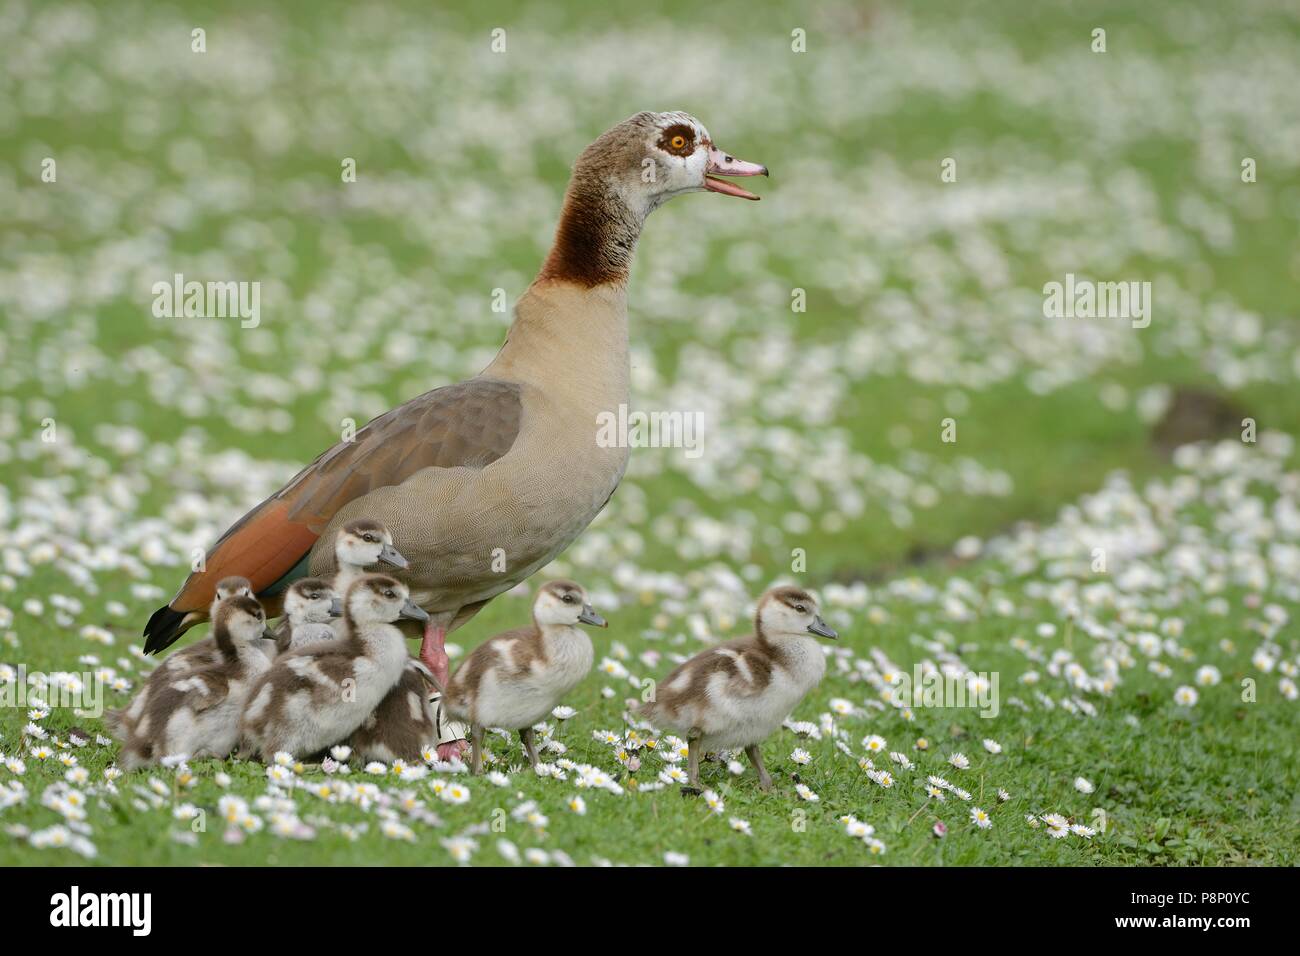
<point>163,628</point>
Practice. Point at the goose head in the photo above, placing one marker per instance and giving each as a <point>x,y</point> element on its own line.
<point>564,604</point>
<point>790,612</point>
<point>379,599</point>
<point>650,158</point>
<point>311,601</point>
<point>623,176</point>
<point>363,542</point>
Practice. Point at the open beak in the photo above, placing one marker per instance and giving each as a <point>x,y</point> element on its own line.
<point>821,628</point>
<point>720,164</point>
<point>589,616</point>
<point>414,612</point>
<point>390,555</point>
<point>336,607</point>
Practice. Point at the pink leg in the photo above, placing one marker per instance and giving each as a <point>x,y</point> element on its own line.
<point>433,652</point>
<point>453,749</point>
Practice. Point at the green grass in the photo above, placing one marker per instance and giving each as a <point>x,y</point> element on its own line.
<point>226,165</point>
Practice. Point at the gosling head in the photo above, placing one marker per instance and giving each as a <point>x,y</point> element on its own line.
<point>790,612</point>
<point>229,587</point>
<point>564,604</point>
<point>242,618</point>
<point>363,542</point>
<point>379,599</point>
<point>311,601</point>
<point>651,157</point>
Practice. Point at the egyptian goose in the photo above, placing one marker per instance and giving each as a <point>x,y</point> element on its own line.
<point>505,466</point>
<point>736,694</point>
<point>314,698</point>
<point>310,609</point>
<point>198,714</point>
<point>515,679</point>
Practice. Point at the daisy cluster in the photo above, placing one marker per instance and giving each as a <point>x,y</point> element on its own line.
<point>1217,535</point>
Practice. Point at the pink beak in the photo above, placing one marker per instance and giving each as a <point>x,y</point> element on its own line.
<point>724,165</point>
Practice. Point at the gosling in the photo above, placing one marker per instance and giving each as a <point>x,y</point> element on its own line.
<point>513,680</point>
<point>310,609</point>
<point>198,714</point>
<point>738,693</point>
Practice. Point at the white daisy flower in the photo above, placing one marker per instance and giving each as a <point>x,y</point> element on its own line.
<point>806,793</point>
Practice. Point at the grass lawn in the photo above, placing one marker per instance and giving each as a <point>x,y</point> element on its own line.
<point>1054,545</point>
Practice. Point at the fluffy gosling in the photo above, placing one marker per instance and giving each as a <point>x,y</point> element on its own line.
<point>736,694</point>
<point>515,679</point>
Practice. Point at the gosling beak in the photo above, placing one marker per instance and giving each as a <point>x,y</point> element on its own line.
<point>821,628</point>
<point>589,616</point>
<point>720,164</point>
<point>390,555</point>
<point>268,634</point>
<point>336,607</point>
<point>414,612</point>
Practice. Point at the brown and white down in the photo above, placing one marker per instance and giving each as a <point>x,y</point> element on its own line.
<point>314,698</point>
<point>515,679</point>
<point>738,693</point>
<point>203,653</point>
<point>405,723</point>
<point>311,609</point>
<point>197,714</point>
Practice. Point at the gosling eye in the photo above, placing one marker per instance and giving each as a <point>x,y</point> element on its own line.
<point>390,593</point>
<point>567,599</point>
<point>801,609</point>
<point>369,538</point>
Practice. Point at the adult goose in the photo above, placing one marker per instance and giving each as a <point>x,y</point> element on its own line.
<point>484,482</point>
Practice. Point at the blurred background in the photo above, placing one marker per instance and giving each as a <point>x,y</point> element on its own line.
<point>924,298</point>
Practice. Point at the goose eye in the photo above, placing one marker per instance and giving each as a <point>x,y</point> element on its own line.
<point>567,599</point>
<point>390,594</point>
<point>368,537</point>
<point>801,609</point>
<point>677,142</point>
